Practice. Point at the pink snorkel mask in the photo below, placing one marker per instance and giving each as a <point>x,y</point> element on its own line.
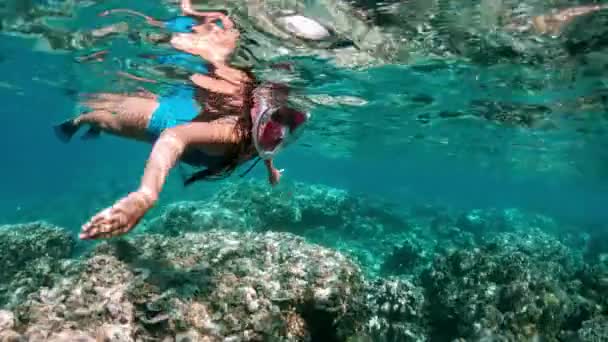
<point>275,126</point>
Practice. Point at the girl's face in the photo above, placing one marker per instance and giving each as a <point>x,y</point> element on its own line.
<point>222,37</point>
<point>207,27</point>
<point>209,41</point>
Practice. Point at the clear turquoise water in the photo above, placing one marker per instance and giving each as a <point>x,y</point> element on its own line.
<point>422,143</point>
<point>396,146</point>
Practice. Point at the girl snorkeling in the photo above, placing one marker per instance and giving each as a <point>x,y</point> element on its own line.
<point>186,23</point>
<point>190,23</point>
<point>223,119</point>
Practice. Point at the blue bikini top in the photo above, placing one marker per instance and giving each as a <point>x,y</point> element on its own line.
<point>184,24</point>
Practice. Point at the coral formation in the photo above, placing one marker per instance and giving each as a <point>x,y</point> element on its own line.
<point>32,255</point>
<point>361,227</point>
<point>594,330</point>
<point>211,286</point>
<point>513,286</point>
<point>24,243</point>
<point>396,311</point>
<point>234,269</point>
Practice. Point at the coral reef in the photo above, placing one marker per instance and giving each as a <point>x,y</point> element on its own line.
<point>362,227</point>
<point>203,286</point>
<point>309,263</point>
<point>23,243</point>
<point>383,239</point>
<point>514,287</point>
<point>597,244</point>
<point>396,311</point>
<point>32,255</point>
<point>594,330</point>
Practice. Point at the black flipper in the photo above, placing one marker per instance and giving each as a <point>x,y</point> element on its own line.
<point>92,133</point>
<point>66,130</point>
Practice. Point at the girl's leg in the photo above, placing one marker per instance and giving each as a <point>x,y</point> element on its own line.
<point>117,114</point>
<point>121,27</point>
<point>101,119</point>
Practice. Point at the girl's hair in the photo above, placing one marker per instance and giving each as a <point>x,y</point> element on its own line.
<point>244,149</point>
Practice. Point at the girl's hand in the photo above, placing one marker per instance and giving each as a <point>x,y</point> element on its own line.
<point>275,176</point>
<point>118,219</point>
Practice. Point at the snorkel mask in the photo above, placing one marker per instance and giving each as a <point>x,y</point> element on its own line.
<point>275,126</point>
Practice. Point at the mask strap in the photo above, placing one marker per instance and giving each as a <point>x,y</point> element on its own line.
<point>250,168</point>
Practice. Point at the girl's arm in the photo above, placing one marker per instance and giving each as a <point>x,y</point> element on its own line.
<point>168,149</point>
<point>188,10</point>
<point>573,12</point>
<point>554,22</point>
<point>228,80</point>
<point>274,175</point>
<point>98,56</point>
<point>172,143</point>
<point>148,19</point>
<point>135,78</point>
<point>214,85</point>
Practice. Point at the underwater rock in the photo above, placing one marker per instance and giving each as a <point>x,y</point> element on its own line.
<point>404,259</point>
<point>299,208</point>
<point>383,238</point>
<point>23,243</point>
<point>597,246</point>
<point>189,336</point>
<point>181,217</point>
<point>462,229</point>
<point>513,287</point>
<point>486,274</point>
<point>491,221</point>
<point>215,285</point>
<point>7,320</point>
<point>593,280</point>
<point>68,335</point>
<point>396,311</point>
<point>33,255</point>
<point>113,333</point>
<point>86,301</point>
<point>594,330</point>
<point>302,206</point>
<point>332,217</point>
<point>10,336</point>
